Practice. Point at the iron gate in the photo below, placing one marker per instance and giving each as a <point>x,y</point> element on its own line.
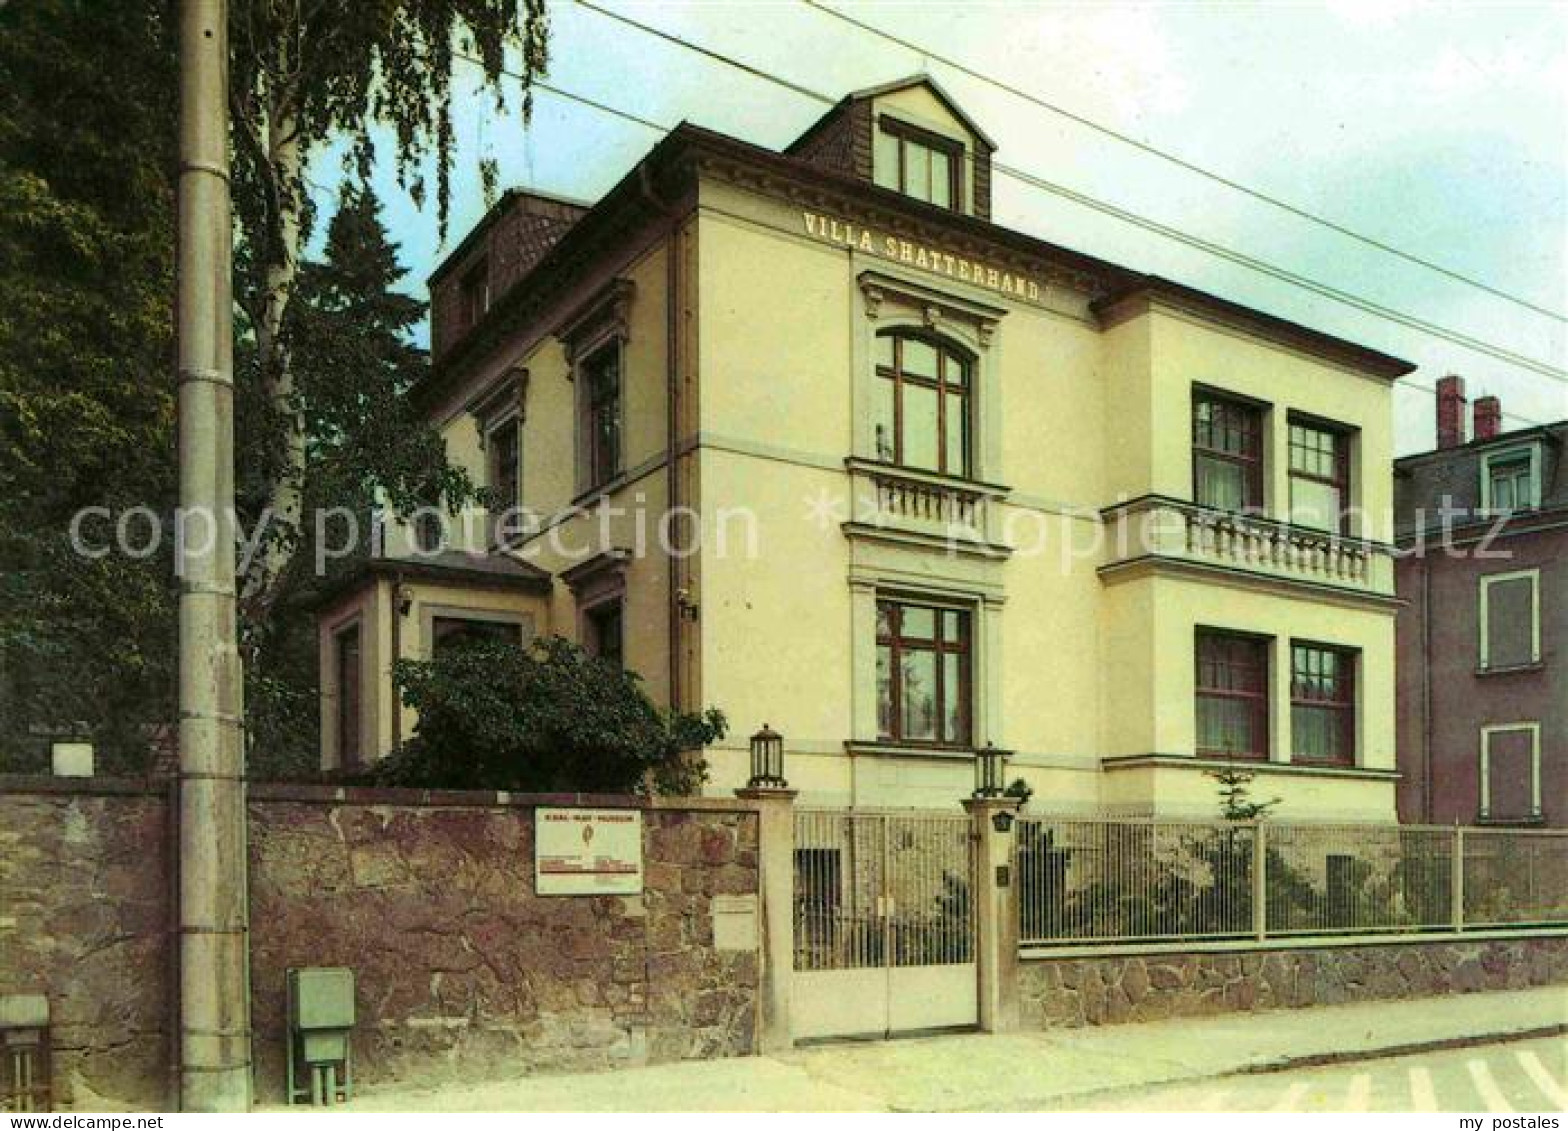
<point>884,923</point>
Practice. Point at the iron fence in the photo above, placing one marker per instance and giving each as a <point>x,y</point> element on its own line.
<point>1139,880</point>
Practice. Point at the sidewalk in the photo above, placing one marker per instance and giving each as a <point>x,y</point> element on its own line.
<point>1015,1071</point>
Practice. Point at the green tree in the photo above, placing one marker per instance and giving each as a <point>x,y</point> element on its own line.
<point>87,148</point>
<point>543,717</point>
<point>305,76</point>
<point>350,331</point>
<point>1235,790</point>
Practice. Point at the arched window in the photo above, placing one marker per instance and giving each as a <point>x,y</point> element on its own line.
<point>921,403</point>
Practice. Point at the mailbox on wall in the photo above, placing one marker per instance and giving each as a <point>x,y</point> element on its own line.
<point>321,1021</point>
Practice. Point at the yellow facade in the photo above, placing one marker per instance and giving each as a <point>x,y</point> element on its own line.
<point>1070,542</point>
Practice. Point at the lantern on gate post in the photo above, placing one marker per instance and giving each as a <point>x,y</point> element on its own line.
<point>767,760</point>
<point>989,765</point>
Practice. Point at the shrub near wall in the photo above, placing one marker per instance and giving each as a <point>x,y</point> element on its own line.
<point>1102,989</point>
<point>463,972</point>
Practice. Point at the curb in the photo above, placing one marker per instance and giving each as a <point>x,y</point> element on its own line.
<point>1290,1063</point>
<point>1322,1059</point>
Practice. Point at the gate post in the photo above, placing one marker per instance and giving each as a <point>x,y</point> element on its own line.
<point>776,886</point>
<point>996,911</point>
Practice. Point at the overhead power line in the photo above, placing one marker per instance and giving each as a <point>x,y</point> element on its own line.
<point>1192,167</point>
<point>1241,258</point>
<point>660,128</point>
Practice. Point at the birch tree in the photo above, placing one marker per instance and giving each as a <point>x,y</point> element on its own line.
<point>309,74</point>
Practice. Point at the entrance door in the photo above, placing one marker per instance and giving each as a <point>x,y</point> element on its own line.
<point>884,924</point>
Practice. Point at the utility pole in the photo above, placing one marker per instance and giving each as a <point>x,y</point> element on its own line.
<point>214,956</point>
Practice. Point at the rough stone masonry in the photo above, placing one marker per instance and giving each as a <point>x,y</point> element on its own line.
<point>462,971</point>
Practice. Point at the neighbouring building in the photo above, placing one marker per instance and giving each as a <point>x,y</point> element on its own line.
<point>806,436</point>
<point>1483,677</point>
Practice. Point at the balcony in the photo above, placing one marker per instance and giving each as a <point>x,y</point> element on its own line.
<point>941,511</point>
<point>1155,531</point>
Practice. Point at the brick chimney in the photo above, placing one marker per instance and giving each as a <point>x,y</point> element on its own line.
<point>1450,411</point>
<point>1488,417</point>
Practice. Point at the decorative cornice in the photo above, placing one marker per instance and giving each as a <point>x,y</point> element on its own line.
<point>1193,762</point>
<point>934,304</point>
<point>605,312</point>
<point>962,547</point>
<point>1131,569</point>
<point>609,563</point>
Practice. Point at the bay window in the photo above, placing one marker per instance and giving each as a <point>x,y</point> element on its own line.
<point>923,674</point>
<point>1232,695</point>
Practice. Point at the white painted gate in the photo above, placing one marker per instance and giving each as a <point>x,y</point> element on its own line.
<point>884,924</point>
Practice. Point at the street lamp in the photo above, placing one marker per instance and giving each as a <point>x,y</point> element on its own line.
<point>767,760</point>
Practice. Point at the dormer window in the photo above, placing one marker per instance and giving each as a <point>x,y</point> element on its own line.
<point>919,163</point>
<point>1510,480</point>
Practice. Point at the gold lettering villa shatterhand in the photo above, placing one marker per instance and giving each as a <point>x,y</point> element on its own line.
<point>920,256</point>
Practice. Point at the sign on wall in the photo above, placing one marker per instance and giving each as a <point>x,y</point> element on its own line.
<point>588,851</point>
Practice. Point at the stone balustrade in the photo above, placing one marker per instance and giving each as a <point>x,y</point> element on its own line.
<point>1157,528</point>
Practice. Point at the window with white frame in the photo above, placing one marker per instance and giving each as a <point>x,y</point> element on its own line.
<point>1510,620</point>
<point>1510,774</point>
<point>1511,479</point>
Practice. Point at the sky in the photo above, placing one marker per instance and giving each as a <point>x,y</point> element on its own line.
<point>1437,129</point>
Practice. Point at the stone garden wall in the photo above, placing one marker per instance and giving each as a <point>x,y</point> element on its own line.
<point>83,904</point>
<point>462,971</point>
<point>1105,989</point>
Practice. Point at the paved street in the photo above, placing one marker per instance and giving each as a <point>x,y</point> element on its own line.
<point>1520,1076</point>
<point>1202,1063</point>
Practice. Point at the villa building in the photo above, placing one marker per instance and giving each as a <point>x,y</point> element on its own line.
<point>805,436</point>
<point>1483,679</point>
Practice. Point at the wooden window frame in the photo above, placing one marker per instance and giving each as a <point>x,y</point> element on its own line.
<point>907,134</point>
<point>591,617</point>
<point>1483,602</point>
<point>473,292</point>
<point>946,352</point>
<point>1258,698</point>
<point>347,759</point>
<point>1344,703</point>
<point>499,508</point>
<point>898,644</point>
<point>1253,466</point>
<point>599,467</point>
<point>1340,481</point>
<point>438,619</point>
